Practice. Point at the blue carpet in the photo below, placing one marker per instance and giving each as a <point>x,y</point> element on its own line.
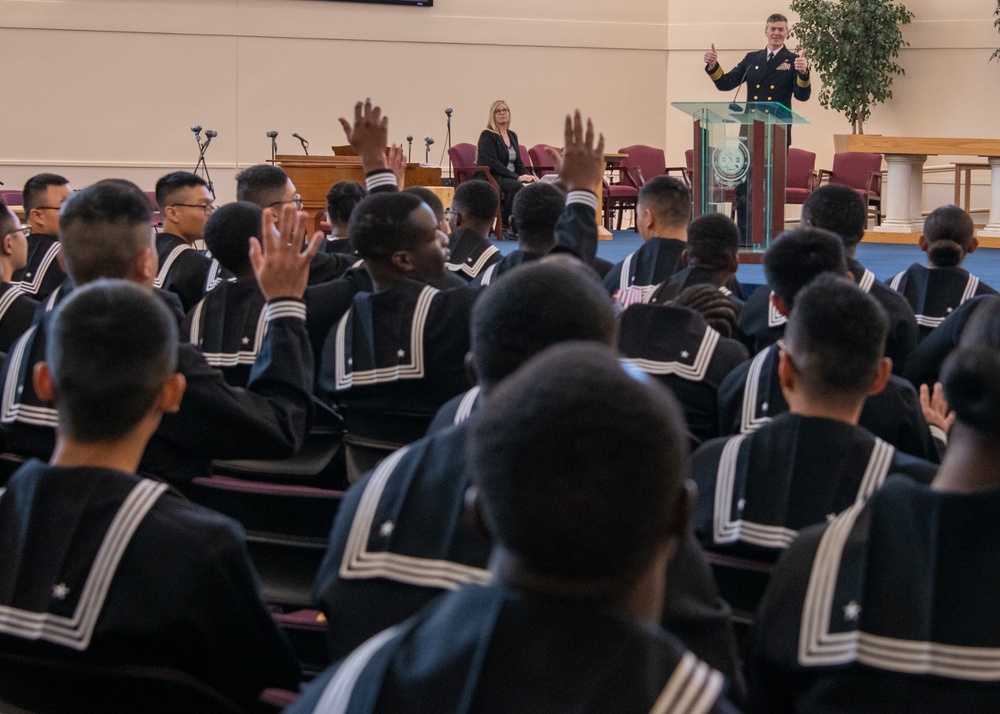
<point>883,259</point>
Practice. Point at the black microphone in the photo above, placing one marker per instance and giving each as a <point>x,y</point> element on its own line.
<point>733,106</point>
<point>273,135</point>
<point>427,154</point>
<point>305,144</point>
<point>197,133</point>
<point>409,150</point>
<point>448,110</point>
<point>211,134</point>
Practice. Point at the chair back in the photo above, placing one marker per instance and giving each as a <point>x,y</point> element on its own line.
<point>526,157</point>
<point>799,168</point>
<point>855,168</point>
<point>156,218</point>
<point>12,197</point>
<point>287,529</point>
<point>649,159</point>
<point>540,159</point>
<point>462,155</point>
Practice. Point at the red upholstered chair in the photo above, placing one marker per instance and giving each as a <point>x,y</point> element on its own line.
<point>463,161</point>
<point>526,158</point>
<point>861,171</point>
<point>646,162</point>
<point>618,197</point>
<point>800,175</point>
<point>541,162</point>
<point>12,197</point>
<point>156,219</point>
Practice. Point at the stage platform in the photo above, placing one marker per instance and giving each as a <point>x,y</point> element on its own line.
<point>884,259</point>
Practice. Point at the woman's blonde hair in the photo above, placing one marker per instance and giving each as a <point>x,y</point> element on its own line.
<point>491,123</point>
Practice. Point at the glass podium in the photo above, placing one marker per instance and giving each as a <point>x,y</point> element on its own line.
<point>740,151</point>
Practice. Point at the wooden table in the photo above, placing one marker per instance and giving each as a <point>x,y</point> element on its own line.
<point>902,199</point>
<point>966,170</point>
<point>314,175</point>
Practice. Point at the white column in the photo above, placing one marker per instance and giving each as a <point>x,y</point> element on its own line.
<point>992,229</point>
<point>904,180</point>
<point>917,193</point>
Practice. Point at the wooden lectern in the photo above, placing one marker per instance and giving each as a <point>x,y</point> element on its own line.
<point>314,175</point>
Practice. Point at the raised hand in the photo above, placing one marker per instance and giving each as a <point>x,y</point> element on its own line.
<point>712,57</point>
<point>397,162</point>
<point>935,407</point>
<point>801,66</point>
<point>369,135</point>
<point>279,263</point>
<point>582,162</point>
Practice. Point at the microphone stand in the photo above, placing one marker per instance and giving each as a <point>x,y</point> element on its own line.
<point>409,148</point>
<point>201,168</point>
<point>447,145</point>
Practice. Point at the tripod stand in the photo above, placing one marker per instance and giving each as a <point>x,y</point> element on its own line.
<point>201,168</point>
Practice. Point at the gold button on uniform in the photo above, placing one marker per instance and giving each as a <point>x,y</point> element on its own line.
<point>755,97</point>
<point>772,86</point>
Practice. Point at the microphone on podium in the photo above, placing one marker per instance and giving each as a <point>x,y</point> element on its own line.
<point>305,144</point>
<point>428,140</point>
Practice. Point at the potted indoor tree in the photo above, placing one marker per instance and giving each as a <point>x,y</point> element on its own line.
<point>854,45</point>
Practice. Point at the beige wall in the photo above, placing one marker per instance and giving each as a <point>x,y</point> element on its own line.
<point>115,84</point>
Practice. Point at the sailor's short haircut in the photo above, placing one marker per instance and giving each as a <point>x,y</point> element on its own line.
<point>103,230</point>
<point>533,307</point>
<point>838,209</point>
<point>35,188</point>
<point>430,198</point>
<point>110,347</point>
<point>382,224</point>
<point>341,200</point>
<point>170,184</point>
<point>228,232</point>
<point>8,222</point>
<point>579,463</point>
<point>535,212</point>
<point>668,198</point>
<point>836,336</point>
<point>262,184</point>
<point>478,198</point>
<point>713,241</point>
<point>797,256</point>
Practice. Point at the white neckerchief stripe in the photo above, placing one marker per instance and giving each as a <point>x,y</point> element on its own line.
<point>9,298</point>
<point>12,409</point>
<point>360,563</point>
<point>466,405</point>
<point>693,688</point>
<point>414,369</point>
<point>232,359</point>
<point>774,318</point>
<point>76,632</point>
<point>50,304</point>
<point>161,276</point>
<point>818,646</point>
<point>194,332</point>
<point>337,694</point>
<point>32,286</point>
<point>749,421</point>
<point>694,372</point>
<point>473,270</point>
<point>867,281</point>
<point>488,274</point>
<point>624,281</point>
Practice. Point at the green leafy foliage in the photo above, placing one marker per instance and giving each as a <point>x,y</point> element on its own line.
<point>854,45</point>
<point>996,24</point>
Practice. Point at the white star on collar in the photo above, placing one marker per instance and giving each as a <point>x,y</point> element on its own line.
<point>852,611</point>
<point>764,406</point>
<point>831,517</point>
<point>401,353</point>
<point>27,275</point>
<point>386,529</point>
<point>245,340</point>
<point>60,591</point>
<point>685,354</point>
<point>741,504</point>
